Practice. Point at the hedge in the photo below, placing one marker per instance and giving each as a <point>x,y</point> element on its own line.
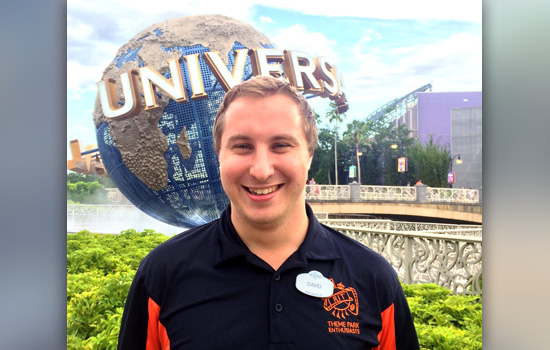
<point>100,269</point>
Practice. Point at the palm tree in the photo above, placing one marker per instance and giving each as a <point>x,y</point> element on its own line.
<point>332,115</point>
<point>360,132</point>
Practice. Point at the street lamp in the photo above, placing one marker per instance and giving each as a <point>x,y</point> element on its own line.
<point>359,154</point>
<point>458,161</point>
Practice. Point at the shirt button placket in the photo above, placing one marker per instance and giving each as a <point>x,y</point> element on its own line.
<point>280,333</point>
<point>278,307</point>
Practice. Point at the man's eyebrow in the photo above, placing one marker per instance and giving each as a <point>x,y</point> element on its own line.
<point>284,137</point>
<point>238,137</point>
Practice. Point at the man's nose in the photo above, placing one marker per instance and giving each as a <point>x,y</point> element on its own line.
<point>262,165</point>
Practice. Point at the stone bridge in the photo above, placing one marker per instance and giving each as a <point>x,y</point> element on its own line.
<point>419,201</point>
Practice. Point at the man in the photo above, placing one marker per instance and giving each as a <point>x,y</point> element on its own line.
<point>266,275</point>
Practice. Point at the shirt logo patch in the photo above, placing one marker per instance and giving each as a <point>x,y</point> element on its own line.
<point>343,302</point>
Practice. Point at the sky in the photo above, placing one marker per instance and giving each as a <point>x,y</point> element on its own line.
<point>384,50</point>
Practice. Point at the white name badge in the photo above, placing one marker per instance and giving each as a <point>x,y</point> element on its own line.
<point>314,284</point>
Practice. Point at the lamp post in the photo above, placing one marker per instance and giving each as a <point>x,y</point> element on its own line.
<point>394,146</point>
<point>359,154</point>
<point>458,161</point>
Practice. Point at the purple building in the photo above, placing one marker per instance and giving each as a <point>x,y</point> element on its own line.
<point>434,114</point>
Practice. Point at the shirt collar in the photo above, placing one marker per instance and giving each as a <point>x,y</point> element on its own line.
<point>317,245</point>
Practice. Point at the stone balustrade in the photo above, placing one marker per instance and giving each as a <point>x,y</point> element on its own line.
<point>450,258</point>
<point>420,193</point>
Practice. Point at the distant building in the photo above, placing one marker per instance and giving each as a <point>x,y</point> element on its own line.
<point>466,140</point>
<point>454,119</point>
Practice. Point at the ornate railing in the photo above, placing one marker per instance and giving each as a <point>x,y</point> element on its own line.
<point>453,195</point>
<point>327,192</point>
<point>388,193</point>
<point>452,261</point>
<point>390,225</point>
<point>392,193</point>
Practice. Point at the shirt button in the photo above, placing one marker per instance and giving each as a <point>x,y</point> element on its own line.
<point>278,307</point>
<point>277,277</point>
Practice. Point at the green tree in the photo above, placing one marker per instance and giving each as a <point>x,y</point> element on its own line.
<point>429,162</point>
<point>398,136</point>
<point>74,177</point>
<point>87,193</point>
<point>321,164</point>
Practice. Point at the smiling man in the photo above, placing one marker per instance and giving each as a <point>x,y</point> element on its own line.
<point>264,159</point>
<point>267,274</point>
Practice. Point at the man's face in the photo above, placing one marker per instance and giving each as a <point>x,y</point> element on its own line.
<point>264,160</point>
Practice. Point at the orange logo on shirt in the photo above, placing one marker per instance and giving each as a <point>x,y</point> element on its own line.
<point>343,302</point>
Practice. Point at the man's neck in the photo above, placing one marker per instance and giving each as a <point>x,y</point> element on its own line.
<point>274,242</point>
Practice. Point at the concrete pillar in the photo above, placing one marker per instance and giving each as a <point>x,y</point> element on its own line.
<point>355,191</point>
<point>421,193</point>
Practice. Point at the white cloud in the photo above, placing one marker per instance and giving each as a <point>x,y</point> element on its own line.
<point>297,37</point>
<point>361,44</point>
<point>81,128</point>
<point>76,30</point>
<point>264,19</point>
<point>81,78</point>
<point>451,65</point>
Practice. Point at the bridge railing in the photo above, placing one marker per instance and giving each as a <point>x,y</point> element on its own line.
<point>453,195</point>
<point>449,260</point>
<point>328,192</point>
<point>388,193</point>
<point>385,224</point>
<point>393,193</point>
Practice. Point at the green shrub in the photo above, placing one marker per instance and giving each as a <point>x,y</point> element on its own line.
<point>100,269</point>
<point>443,320</point>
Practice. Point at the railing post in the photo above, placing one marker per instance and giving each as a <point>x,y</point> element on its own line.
<point>355,191</point>
<point>408,260</point>
<point>480,196</point>
<point>421,193</point>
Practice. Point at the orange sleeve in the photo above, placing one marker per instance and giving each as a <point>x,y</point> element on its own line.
<point>157,338</point>
<point>386,337</point>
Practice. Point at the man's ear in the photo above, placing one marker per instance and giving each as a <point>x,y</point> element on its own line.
<point>310,160</point>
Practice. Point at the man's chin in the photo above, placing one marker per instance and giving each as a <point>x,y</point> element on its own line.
<point>264,218</point>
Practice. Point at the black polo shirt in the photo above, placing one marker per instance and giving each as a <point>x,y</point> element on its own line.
<point>203,289</point>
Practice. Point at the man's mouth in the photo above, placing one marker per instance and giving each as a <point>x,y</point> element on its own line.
<point>262,191</point>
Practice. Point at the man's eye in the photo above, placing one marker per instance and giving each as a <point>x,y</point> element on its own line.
<point>281,145</point>
<point>241,146</point>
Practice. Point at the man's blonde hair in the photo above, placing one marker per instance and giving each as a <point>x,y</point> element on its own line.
<point>264,86</point>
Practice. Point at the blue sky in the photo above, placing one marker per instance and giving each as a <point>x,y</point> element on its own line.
<point>384,51</point>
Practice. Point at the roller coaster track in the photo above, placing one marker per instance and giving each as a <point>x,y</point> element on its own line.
<point>398,103</point>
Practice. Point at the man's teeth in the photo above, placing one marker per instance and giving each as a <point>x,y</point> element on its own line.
<point>262,190</point>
